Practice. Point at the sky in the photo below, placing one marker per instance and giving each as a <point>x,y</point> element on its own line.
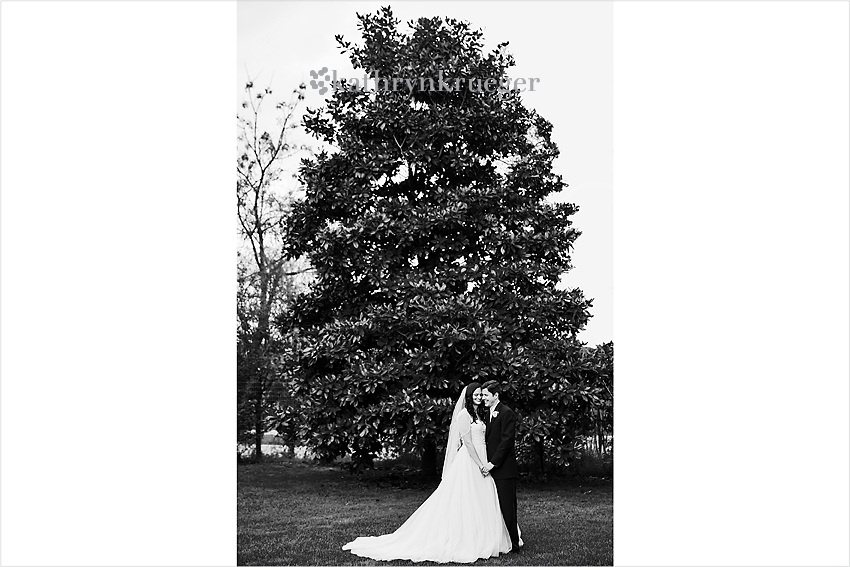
<point>566,45</point>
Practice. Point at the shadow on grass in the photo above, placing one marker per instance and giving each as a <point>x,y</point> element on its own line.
<point>293,513</point>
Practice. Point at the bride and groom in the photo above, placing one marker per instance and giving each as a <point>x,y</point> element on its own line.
<point>472,513</point>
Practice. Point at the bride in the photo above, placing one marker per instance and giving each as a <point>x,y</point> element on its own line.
<point>461,521</point>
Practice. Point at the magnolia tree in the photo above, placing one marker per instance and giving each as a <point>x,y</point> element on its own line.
<point>437,255</point>
<point>559,419</point>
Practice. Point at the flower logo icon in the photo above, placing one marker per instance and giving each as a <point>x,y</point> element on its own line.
<point>320,84</point>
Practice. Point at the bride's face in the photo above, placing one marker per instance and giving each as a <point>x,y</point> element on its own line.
<point>477,397</point>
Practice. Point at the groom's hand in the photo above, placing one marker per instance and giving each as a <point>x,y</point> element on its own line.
<point>487,468</point>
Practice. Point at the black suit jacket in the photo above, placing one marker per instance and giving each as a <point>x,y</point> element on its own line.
<point>501,443</point>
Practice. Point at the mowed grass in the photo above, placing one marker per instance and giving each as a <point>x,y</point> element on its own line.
<point>292,513</point>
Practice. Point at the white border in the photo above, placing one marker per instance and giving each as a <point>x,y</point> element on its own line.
<point>731,283</point>
<point>118,359</point>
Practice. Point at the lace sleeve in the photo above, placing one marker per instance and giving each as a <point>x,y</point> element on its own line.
<point>466,437</point>
<point>465,423</point>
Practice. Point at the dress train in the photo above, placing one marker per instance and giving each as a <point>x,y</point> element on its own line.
<point>460,522</point>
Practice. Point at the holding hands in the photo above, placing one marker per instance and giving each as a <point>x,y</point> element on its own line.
<point>485,470</point>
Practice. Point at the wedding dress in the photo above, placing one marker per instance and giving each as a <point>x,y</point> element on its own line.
<point>461,521</point>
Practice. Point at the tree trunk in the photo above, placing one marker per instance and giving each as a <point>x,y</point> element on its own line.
<point>258,429</point>
<point>429,457</point>
<point>601,439</point>
<point>541,456</point>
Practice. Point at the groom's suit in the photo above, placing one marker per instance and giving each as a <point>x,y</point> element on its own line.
<point>501,451</point>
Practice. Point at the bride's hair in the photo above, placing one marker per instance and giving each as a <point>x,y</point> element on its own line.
<point>475,412</point>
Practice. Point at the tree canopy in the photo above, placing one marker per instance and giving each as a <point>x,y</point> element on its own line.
<point>436,253</point>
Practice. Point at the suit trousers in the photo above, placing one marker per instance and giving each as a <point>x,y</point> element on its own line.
<point>506,488</point>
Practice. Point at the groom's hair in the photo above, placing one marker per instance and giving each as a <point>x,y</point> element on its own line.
<point>492,386</point>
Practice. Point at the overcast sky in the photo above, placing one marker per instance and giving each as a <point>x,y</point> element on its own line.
<point>566,45</point>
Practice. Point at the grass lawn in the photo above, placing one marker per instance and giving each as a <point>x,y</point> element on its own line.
<point>292,513</point>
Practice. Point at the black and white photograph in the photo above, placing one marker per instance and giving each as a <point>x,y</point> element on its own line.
<point>425,357</point>
<point>446,215</point>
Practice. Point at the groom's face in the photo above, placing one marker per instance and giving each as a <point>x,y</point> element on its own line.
<point>489,399</point>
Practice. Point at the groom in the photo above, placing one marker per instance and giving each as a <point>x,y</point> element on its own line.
<point>501,456</point>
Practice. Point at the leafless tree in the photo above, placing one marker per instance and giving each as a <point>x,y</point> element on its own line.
<point>266,280</point>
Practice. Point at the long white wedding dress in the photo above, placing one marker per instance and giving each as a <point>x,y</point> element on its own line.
<point>460,522</point>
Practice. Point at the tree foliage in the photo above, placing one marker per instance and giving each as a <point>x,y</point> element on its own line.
<point>437,255</point>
